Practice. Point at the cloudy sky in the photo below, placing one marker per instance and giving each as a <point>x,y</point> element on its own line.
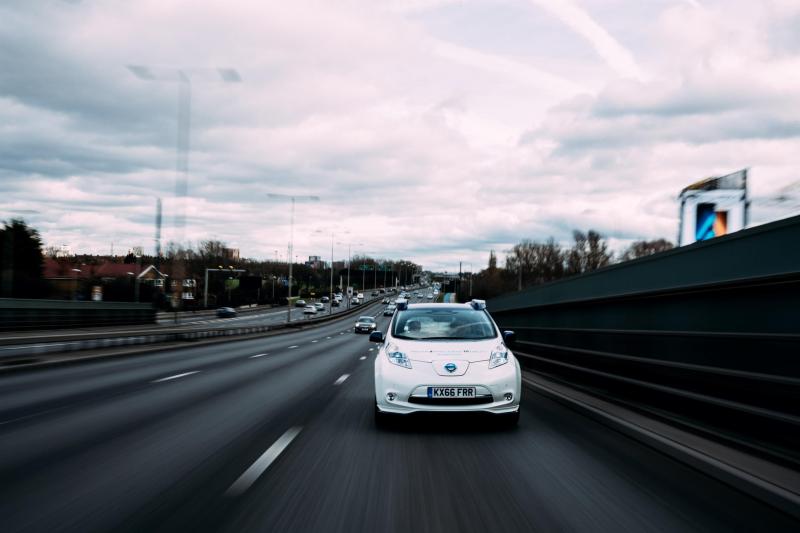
<point>430,129</point>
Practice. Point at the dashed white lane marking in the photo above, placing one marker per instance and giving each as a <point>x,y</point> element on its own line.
<point>314,341</point>
<point>293,346</point>
<point>176,376</point>
<point>327,337</point>
<point>341,379</point>
<point>258,355</point>
<point>262,463</point>
<point>362,357</point>
<point>341,333</point>
<point>371,349</point>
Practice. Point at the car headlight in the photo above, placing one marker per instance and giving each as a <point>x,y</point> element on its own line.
<point>499,356</point>
<point>396,357</point>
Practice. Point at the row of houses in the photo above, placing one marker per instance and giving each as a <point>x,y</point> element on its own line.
<point>65,276</point>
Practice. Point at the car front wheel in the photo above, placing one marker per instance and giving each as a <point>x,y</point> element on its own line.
<point>381,419</point>
<point>509,420</point>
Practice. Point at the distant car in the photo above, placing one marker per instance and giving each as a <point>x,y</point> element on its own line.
<point>319,306</point>
<point>382,291</point>
<point>392,302</point>
<point>365,324</point>
<point>324,299</point>
<point>389,310</point>
<point>430,296</point>
<point>310,310</point>
<point>418,295</point>
<point>226,312</point>
<point>374,293</point>
<point>335,303</point>
<point>300,303</point>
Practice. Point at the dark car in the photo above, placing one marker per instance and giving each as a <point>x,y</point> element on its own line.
<point>335,303</point>
<point>324,299</point>
<point>300,303</point>
<point>226,312</point>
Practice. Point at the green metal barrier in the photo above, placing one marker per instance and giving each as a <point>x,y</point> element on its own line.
<point>707,335</point>
<point>20,315</point>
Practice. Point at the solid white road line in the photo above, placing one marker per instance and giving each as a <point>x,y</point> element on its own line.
<point>176,376</point>
<point>262,463</point>
<point>258,355</point>
<point>341,379</point>
<point>362,357</point>
<point>291,347</point>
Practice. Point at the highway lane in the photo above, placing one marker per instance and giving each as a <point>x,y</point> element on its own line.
<point>158,442</point>
<point>22,344</point>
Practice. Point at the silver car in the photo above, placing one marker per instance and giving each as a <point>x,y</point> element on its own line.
<point>365,324</point>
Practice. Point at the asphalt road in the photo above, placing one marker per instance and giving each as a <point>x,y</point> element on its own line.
<point>28,343</point>
<point>276,434</point>
<point>272,316</point>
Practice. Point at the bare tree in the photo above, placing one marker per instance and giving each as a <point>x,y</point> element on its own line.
<point>588,253</point>
<point>644,248</point>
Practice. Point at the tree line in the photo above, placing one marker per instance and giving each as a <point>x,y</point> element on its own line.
<point>530,263</point>
<point>22,259</point>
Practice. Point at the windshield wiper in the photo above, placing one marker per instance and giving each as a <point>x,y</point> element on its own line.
<point>453,338</point>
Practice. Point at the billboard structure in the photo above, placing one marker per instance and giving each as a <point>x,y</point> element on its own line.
<point>713,207</point>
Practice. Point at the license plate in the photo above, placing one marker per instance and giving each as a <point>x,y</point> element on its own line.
<point>451,392</point>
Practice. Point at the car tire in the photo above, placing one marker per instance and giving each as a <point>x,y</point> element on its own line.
<point>381,419</point>
<point>510,420</point>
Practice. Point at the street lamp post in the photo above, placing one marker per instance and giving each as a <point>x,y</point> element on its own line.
<point>293,199</point>
<point>184,79</point>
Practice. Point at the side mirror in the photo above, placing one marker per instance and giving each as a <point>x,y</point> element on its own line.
<point>376,336</point>
<point>509,337</point>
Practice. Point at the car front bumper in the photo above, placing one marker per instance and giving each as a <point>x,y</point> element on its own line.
<point>410,385</point>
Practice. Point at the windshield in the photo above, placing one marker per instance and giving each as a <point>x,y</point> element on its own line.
<point>430,324</point>
<point>367,319</point>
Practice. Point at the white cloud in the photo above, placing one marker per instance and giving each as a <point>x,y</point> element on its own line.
<point>609,49</point>
<point>434,149</point>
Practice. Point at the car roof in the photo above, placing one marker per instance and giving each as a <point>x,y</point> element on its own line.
<point>366,316</point>
<point>439,306</point>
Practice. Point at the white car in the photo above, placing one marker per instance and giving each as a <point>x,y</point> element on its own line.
<point>319,306</point>
<point>445,358</point>
<point>310,310</point>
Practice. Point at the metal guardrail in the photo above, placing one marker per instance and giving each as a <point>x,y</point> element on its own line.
<point>21,314</point>
<point>706,337</point>
<point>78,341</point>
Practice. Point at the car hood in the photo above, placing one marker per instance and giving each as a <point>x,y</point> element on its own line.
<point>431,351</point>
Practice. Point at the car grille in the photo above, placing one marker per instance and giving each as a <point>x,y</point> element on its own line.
<point>450,401</point>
